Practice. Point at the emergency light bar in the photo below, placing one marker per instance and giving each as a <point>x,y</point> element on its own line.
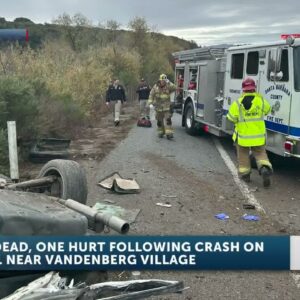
<point>14,35</point>
<point>293,35</point>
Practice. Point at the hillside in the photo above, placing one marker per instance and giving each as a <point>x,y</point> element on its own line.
<point>56,84</point>
<point>93,35</point>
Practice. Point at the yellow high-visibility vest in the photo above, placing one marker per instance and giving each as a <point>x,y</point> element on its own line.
<point>250,128</point>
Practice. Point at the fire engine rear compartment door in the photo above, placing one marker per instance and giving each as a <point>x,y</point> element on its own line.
<point>201,82</point>
<point>207,90</point>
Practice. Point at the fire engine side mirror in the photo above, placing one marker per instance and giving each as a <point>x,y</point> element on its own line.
<point>278,60</point>
<point>290,40</point>
<point>275,64</point>
<point>276,77</point>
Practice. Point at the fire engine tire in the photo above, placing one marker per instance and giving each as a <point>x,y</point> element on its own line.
<point>189,123</point>
<point>71,183</point>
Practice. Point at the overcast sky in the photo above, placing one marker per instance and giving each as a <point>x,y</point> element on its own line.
<point>206,22</point>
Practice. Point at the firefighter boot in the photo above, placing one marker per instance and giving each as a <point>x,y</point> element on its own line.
<point>161,132</point>
<point>266,173</point>
<point>246,178</point>
<point>169,136</point>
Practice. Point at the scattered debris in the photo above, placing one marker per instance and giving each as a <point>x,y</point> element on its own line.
<point>222,216</point>
<point>250,217</point>
<point>180,205</point>
<point>145,171</point>
<point>49,148</point>
<point>248,206</point>
<point>121,274</point>
<point>293,215</point>
<point>169,196</point>
<point>221,197</point>
<point>253,190</point>
<point>116,183</point>
<point>129,215</point>
<point>109,201</point>
<point>52,286</point>
<point>136,274</point>
<point>2,183</point>
<point>282,230</point>
<point>163,204</point>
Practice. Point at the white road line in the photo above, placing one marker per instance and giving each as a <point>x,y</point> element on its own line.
<point>245,191</point>
<point>296,278</point>
<point>242,185</point>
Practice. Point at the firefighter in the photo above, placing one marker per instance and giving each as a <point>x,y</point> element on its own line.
<point>247,113</point>
<point>160,99</point>
<point>116,94</point>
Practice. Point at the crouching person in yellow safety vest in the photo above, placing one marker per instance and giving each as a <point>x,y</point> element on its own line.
<point>247,113</point>
<point>160,98</point>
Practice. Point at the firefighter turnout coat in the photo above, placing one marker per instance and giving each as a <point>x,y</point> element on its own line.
<point>160,96</point>
<point>247,113</point>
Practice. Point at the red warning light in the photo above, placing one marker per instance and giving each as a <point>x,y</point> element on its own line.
<point>288,146</point>
<point>206,128</point>
<point>294,35</point>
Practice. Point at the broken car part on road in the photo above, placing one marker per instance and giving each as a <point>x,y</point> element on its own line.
<point>97,219</point>
<point>43,206</point>
<point>129,215</point>
<point>59,188</point>
<point>116,183</point>
<point>52,286</point>
<point>49,148</point>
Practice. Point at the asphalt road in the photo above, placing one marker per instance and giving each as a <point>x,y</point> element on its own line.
<point>190,174</point>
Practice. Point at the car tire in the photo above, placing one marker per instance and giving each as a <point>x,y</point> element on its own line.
<point>71,183</point>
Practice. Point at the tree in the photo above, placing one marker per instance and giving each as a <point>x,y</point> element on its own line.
<point>112,26</point>
<point>74,28</point>
<point>23,21</point>
<point>140,30</point>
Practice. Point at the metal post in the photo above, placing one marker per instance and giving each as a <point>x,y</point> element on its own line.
<point>13,150</point>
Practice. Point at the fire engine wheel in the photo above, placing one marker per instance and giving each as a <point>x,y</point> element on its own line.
<point>71,181</point>
<point>189,123</point>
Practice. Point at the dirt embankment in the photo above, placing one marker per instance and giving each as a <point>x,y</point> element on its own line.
<point>94,142</point>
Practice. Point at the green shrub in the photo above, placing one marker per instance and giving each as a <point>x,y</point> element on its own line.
<point>18,103</point>
<point>59,116</point>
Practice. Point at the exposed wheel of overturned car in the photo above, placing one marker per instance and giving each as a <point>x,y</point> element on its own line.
<point>71,180</point>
